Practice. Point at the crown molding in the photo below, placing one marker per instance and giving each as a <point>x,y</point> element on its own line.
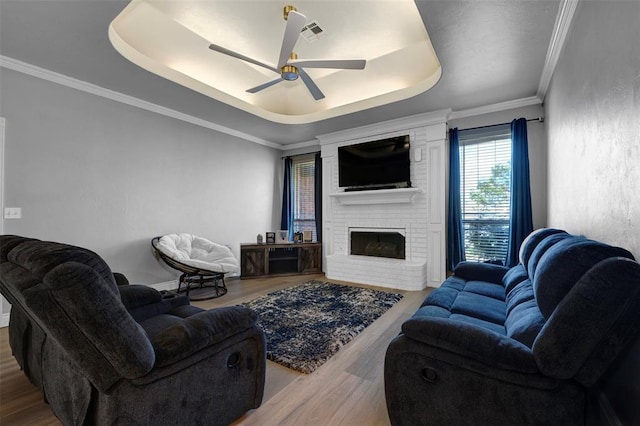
<point>501,106</point>
<point>54,77</point>
<point>566,12</point>
<point>413,121</point>
<point>301,145</point>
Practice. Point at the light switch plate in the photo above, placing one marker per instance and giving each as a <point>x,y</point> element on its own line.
<point>12,213</point>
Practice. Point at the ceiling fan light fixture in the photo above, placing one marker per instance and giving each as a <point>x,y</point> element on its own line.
<point>289,73</point>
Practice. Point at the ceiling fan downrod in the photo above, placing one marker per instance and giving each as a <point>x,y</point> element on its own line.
<point>288,9</point>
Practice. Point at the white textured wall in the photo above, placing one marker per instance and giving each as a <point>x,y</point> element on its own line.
<point>593,122</point>
<point>106,176</point>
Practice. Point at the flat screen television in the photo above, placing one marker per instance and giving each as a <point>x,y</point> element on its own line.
<point>375,165</point>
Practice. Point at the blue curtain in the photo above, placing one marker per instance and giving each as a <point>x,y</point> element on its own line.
<point>520,221</point>
<point>455,242</point>
<point>318,195</point>
<point>286,221</point>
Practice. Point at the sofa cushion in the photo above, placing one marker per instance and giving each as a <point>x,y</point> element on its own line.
<point>480,271</point>
<point>532,240</point>
<point>542,248</point>
<point>564,264</point>
<point>158,323</point>
<point>454,282</point>
<point>524,322</point>
<point>515,276</point>
<point>481,307</point>
<point>483,288</point>
<point>442,297</point>
<point>488,325</point>
<point>428,311</point>
<point>521,293</point>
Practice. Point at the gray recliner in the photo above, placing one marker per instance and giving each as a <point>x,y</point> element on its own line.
<point>108,354</point>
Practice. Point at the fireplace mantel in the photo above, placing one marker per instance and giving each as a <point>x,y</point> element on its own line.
<point>379,196</point>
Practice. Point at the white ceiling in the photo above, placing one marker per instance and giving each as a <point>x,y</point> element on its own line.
<point>490,52</point>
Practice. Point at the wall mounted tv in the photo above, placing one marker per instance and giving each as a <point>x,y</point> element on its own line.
<point>378,164</point>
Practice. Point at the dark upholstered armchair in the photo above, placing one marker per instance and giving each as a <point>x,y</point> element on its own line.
<point>104,353</point>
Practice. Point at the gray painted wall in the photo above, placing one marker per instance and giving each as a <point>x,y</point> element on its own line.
<point>109,177</point>
<point>593,123</point>
<point>537,138</point>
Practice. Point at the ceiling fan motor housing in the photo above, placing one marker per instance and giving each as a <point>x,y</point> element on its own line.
<point>288,68</point>
<point>290,72</point>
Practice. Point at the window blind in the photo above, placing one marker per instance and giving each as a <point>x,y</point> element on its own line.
<point>485,175</point>
<point>304,216</point>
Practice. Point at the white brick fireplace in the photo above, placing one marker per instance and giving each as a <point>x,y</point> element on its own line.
<point>417,213</point>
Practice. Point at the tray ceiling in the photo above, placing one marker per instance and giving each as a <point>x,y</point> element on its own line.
<point>172,38</point>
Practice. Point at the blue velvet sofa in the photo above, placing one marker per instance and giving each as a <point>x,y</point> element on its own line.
<point>104,352</point>
<point>547,342</point>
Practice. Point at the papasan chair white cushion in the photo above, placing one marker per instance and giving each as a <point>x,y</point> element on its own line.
<point>199,253</point>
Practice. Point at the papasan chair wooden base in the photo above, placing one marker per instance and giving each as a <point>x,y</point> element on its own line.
<point>203,264</point>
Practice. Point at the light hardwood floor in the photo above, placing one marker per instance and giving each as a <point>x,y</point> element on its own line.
<point>347,390</point>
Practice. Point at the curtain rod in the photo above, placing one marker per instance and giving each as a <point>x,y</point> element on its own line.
<point>538,119</point>
<point>298,155</point>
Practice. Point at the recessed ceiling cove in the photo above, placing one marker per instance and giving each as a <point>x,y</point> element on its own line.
<point>287,62</point>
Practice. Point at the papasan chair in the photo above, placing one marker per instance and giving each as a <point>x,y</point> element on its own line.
<point>203,263</point>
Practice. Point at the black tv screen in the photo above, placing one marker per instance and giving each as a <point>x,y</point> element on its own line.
<point>379,164</point>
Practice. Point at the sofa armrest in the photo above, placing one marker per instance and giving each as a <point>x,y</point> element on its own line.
<point>472,342</point>
<point>120,278</point>
<point>593,324</point>
<point>480,271</point>
<point>199,331</point>
<point>136,295</point>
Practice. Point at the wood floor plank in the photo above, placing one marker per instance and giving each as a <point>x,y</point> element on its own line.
<point>347,390</point>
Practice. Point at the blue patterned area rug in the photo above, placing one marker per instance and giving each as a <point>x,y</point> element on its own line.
<point>307,324</point>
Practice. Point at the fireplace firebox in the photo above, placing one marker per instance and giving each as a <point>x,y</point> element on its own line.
<point>378,244</point>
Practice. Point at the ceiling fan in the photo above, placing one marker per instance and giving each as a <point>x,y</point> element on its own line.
<point>289,66</point>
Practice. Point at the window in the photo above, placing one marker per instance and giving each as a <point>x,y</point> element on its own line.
<point>304,205</point>
<point>485,178</point>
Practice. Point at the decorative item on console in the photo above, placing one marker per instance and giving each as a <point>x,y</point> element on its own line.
<point>307,236</point>
<point>282,236</point>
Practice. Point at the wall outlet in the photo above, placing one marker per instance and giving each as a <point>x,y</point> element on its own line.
<point>12,213</point>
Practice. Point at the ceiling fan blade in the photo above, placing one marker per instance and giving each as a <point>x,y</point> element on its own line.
<point>237,55</point>
<point>315,90</point>
<point>264,85</point>
<point>347,64</point>
<point>295,22</point>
